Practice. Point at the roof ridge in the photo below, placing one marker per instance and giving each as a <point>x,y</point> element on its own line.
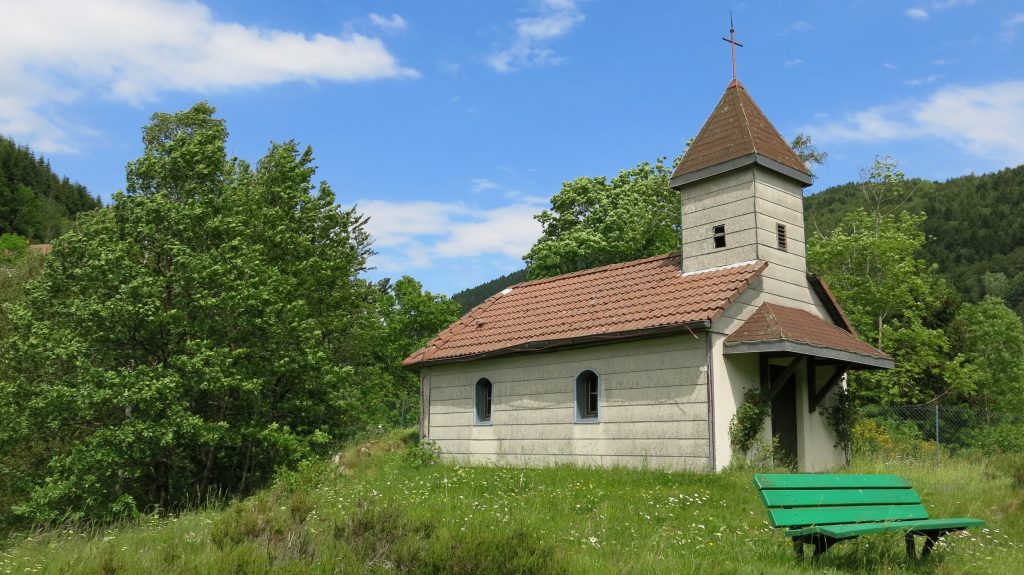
<point>772,318</point>
<point>754,262</point>
<point>753,141</point>
<point>743,112</point>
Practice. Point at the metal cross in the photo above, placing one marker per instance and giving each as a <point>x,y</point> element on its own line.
<point>732,40</point>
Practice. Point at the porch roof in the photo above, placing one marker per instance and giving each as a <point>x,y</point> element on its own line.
<point>777,328</point>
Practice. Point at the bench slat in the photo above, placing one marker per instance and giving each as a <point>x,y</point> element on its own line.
<point>856,530</point>
<point>801,516</point>
<point>837,497</point>
<point>825,481</point>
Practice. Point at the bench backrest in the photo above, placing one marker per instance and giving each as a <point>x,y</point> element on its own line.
<point>803,499</point>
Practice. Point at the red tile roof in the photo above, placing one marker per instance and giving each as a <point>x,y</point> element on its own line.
<point>737,128</point>
<point>619,301</point>
<point>835,311</point>
<point>772,322</point>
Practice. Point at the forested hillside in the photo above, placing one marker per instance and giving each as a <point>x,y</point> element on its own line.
<point>472,297</point>
<point>34,201</point>
<point>975,226</point>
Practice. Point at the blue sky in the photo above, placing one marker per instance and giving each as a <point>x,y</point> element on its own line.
<point>450,123</point>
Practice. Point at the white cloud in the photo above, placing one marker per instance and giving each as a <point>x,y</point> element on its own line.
<point>59,51</point>
<point>918,14</point>
<point>510,231</point>
<point>481,184</point>
<point>889,66</point>
<point>872,124</point>
<point>412,235</point>
<point>393,22</point>
<point>794,62</point>
<point>986,121</point>
<point>556,19</point>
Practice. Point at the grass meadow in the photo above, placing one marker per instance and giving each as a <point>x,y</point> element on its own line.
<point>378,508</point>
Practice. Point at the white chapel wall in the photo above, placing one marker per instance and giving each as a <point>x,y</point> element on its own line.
<point>733,376</point>
<point>816,450</point>
<point>654,410</point>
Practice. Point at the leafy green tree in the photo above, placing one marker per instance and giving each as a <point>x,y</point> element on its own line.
<point>406,318</point>
<point>594,222</point>
<point>884,188</point>
<point>808,153</point>
<point>989,340</point>
<point>895,299</point>
<point>871,264</point>
<point>189,339</point>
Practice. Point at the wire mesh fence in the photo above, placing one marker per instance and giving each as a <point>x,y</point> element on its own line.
<point>935,428</point>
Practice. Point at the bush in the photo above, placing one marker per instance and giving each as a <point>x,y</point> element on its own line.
<point>1001,438</point>
<point>388,536</point>
<point>422,454</point>
<point>1009,464</point>
<point>890,438</point>
<point>746,425</point>
<point>841,416</point>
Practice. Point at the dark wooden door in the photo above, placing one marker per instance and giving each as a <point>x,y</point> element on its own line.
<point>784,417</point>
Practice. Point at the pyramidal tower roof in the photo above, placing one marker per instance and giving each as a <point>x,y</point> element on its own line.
<point>737,134</point>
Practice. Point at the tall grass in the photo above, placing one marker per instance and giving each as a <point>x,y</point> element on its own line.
<point>378,509</point>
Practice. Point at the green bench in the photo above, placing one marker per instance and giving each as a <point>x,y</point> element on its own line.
<point>824,509</point>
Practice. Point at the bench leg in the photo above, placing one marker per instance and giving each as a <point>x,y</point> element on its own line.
<point>911,551</point>
<point>798,547</point>
<point>930,537</point>
<point>821,544</point>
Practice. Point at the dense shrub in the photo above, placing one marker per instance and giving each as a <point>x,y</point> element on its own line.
<point>890,438</point>
<point>745,427</point>
<point>1000,438</point>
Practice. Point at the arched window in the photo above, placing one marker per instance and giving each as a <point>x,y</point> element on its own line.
<point>484,392</point>
<point>587,397</point>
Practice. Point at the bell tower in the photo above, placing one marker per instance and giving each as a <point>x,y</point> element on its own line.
<point>742,193</point>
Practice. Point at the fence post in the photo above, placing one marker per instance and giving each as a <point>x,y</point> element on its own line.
<point>938,446</point>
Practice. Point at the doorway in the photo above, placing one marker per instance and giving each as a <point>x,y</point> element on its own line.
<point>784,428</point>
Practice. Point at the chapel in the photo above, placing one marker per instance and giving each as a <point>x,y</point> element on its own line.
<point>644,363</point>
